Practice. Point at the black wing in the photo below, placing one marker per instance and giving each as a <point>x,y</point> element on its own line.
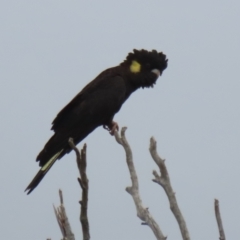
<point>95,104</point>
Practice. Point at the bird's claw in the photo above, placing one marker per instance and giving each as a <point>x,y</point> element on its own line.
<point>111,127</point>
<point>106,127</point>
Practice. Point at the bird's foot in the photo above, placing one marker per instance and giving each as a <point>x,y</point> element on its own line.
<point>112,127</point>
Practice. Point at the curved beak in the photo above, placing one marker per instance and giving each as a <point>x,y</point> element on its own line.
<point>157,72</point>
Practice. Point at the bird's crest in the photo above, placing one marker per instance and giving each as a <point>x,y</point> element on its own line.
<point>139,57</point>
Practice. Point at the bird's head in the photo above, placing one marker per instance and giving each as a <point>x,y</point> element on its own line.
<point>144,67</point>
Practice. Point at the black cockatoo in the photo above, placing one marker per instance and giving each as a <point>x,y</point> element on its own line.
<point>97,104</point>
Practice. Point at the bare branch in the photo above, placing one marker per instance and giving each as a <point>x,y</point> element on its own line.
<point>164,181</point>
<point>219,220</point>
<point>83,181</point>
<point>142,213</point>
<point>62,220</point>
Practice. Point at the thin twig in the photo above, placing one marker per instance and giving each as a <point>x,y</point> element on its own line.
<point>83,181</point>
<point>62,220</point>
<point>219,220</point>
<point>142,212</point>
<point>164,181</point>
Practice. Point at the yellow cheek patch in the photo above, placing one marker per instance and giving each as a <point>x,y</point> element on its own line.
<point>135,67</point>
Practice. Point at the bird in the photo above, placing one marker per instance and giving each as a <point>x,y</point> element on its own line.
<point>97,103</point>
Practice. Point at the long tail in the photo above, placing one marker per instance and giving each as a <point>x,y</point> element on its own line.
<point>42,172</point>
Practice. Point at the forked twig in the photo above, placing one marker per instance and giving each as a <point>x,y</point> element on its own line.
<point>83,181</point>
<point>164,181</point>
<point>62,220</point>
<point>142,212</point>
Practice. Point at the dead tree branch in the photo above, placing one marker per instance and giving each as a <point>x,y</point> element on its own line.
<point>219,220</point>
<point>164,181</point>
<point>142,212</point>
<point>62,220</point>
<point>83,181</point>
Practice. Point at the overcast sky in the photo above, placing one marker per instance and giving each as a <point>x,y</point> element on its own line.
<point>50,49</point>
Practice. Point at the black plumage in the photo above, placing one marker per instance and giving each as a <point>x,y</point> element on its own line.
<point>97,104</point>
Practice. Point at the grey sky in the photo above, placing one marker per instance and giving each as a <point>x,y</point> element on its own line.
<point>49,50</point>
